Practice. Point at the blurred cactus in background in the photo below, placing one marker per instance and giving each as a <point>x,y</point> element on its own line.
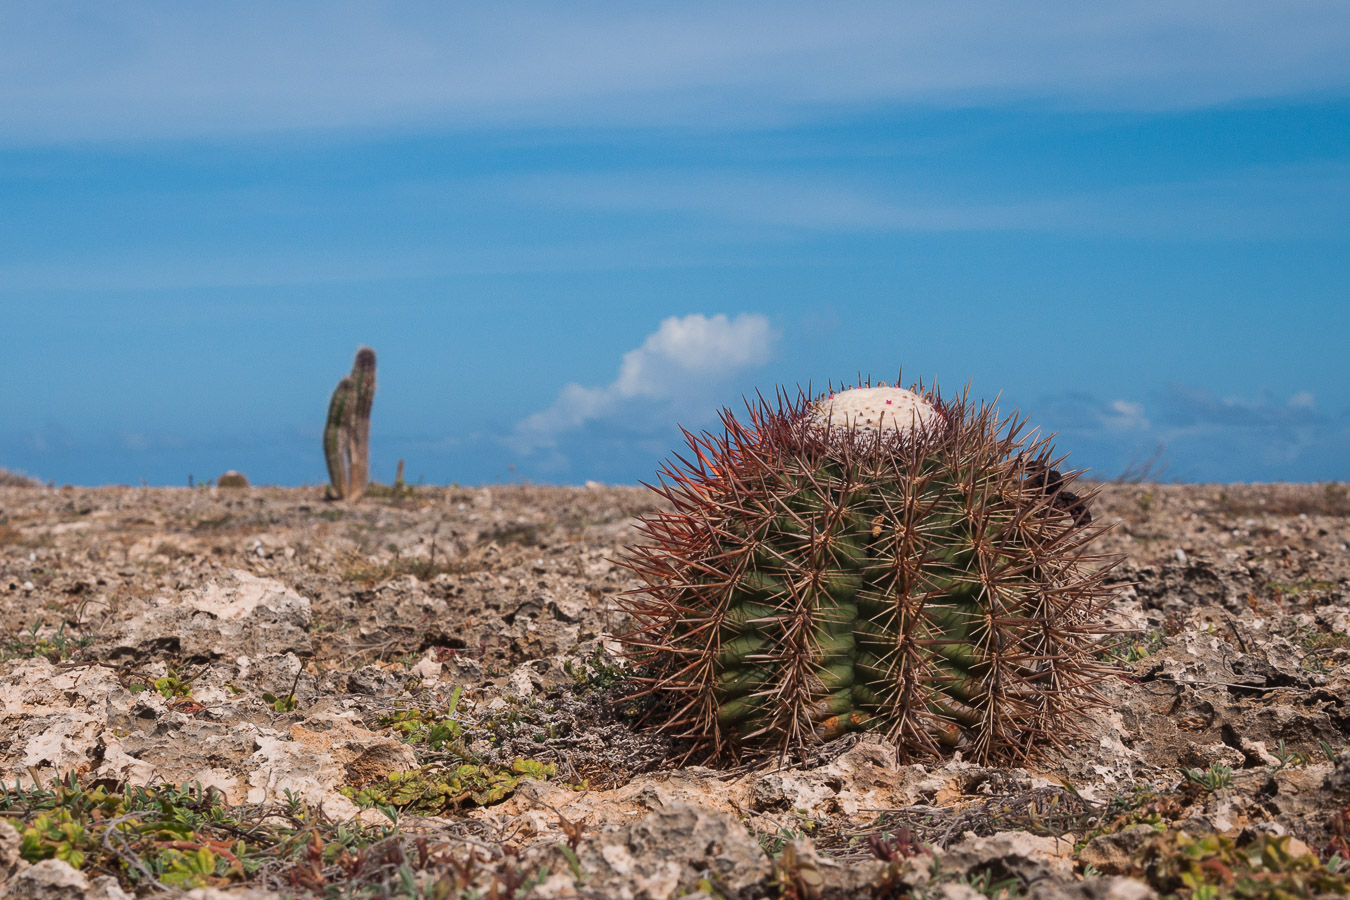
<point>10,478</point>
<point>346,436</point>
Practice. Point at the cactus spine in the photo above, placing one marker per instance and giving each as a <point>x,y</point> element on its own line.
<point>878,559</point>
<point>346,436</point>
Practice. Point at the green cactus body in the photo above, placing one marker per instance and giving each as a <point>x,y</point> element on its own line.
<point>363,398</point>
<point>336,449</point>
<point>817,577</point>
<point>346,434</point>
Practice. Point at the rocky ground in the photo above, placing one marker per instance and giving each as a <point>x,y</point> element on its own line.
<point>254,692</point>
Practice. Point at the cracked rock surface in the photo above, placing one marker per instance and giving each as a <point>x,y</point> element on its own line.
<point>425,690</point>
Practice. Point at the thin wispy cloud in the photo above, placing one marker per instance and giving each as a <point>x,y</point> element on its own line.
<point>1252,203</point>
<point>1188,407</point>
<point>1202,436</point>
<point>1273,203</point>
<point>673,373</point>
<point>138,70</point>
<point>793,201</point>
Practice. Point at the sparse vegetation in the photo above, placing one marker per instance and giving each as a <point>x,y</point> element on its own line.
<point>1134,647</point>
<point>435,790</point>
<point>1304,586</point>
<point>1319,648</point>
<point>596,673</point>
<point>1215,778</point>
<point>287,703</point>
<point>232,479</point>
<point>169,838</point>
<point>1145,469</point>
<point>360,570</point>
<point>799,824</point>
<point>435,729</point>
<point>53,644</point>
<point>1214,866</point>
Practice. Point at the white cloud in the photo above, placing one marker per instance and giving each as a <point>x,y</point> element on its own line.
<point>675,370</point>
<point>136,69</point>
<point>1124,415</point>
<point>1303,400</point>
<point>135,441</point>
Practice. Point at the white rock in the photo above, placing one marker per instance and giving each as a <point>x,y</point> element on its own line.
<point>427,669</point>
<point>10,860</point>
<point>313,765</point>
<point>240,613</point>
<point>54,879</point>
<point>59,721</point>
<point>519,684</point>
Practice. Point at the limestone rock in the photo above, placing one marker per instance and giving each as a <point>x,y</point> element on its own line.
<point>57,719</point>
<point>1114,888</point>
<point>1339,779</point>
<point>238,615</point>
<point>867,776</point>
<point>1011,854</point>
<point>10,861</point>
<point>669,851</point>
<point>313,765</point>
<point>1115,854</point>
<point>54,879</point>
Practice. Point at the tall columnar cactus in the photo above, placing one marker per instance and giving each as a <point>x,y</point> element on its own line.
<point>876,559</point>
<point>346,436</point>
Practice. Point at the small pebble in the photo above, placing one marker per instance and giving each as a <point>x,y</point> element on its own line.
<point>1181,556</point>
<point>28,585</point>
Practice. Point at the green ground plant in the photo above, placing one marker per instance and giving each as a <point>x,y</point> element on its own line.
<point>433,728</point>
<point>170,686</point>
<point>287,703</point>
<point>1304,586</point>
<point>434,790</point>
<point>1214,866</point>
<point>161,836</point>
<point>55,646</point>
<point>1215,778</point>
<point>1319,648</point>
<point>1134,647</point>
<point>164,838</point>
<point>595,673</point>
<point>801,825</point>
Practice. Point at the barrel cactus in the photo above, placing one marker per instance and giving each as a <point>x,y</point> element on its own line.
<point>873,559</point>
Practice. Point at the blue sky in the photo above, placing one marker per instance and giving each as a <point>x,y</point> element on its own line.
<point>566,228</point>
